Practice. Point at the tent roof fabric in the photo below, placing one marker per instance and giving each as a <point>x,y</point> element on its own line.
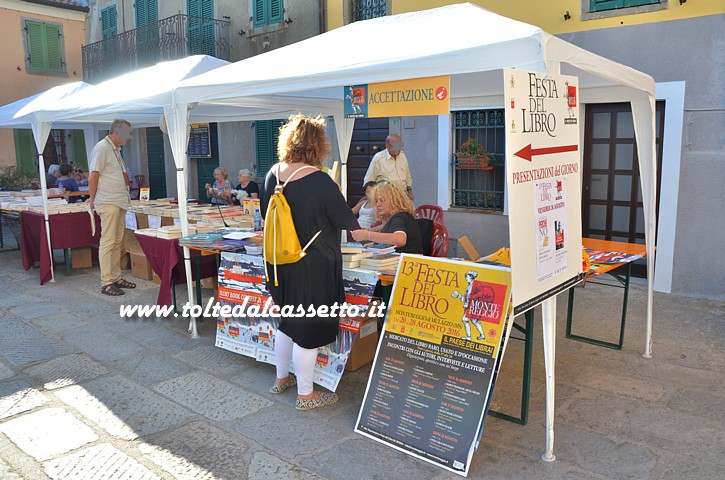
<point>20,113</point>
<point>452,40</point>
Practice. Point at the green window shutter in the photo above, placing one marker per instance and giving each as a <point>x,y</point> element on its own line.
<point>260,13</point>
<point>78,149</point>
<point>266,136</point>
<point>25,151</point>
<point>36,45</point>
<point>108,22</point>
<point>53,47</point>
<point>207,9</point>
<point>193,8</point>
<point>600,5</point>
<point>638,3</point>
<point>146,12</point>
<point>276,11</point>
<point>152,11</point>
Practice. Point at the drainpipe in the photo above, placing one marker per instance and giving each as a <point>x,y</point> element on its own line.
<point>323,16</point>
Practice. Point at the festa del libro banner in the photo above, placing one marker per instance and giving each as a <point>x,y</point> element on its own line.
<point>429,387</point>
<point>418,96</point>
<point>241,283</point>
<point>543,183</point>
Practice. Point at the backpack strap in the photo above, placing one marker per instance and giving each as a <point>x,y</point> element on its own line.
<point>279,188</point>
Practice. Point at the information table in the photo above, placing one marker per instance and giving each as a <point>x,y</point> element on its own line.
<point>612,256</point>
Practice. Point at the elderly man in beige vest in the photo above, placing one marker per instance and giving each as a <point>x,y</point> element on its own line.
<point>108,185</point>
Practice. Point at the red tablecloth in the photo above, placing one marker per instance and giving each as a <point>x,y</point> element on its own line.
<point>67,230</point>
<point>166,258</point>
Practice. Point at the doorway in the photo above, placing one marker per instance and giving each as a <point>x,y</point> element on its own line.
<point>612,207</point>
<point>156,162</point>
<point>368,138</point>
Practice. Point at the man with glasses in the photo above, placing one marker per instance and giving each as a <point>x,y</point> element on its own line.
<point>391,165</point>
<point>108,186</point>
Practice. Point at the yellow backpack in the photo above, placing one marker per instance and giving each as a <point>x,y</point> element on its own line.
<point>280,241</point>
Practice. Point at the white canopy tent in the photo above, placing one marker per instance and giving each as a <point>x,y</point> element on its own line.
<point>21,114</point>
<point>138,96</point>
<point>470,44</point>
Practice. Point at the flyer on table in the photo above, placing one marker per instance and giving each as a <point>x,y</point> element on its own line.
<point>432,373</point>
<point>543,182</point>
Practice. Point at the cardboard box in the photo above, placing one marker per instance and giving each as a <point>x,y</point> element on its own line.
<point>155,278</point>
<point>81,257</point>
<point>140,267</point>
<point>365,345</point>
<point>130,244</point>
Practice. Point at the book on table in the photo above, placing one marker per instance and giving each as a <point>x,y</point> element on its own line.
<point>201,239</point>
<point>351,247</point>
<point>382,261</point>
<point>351,257</point>
<point>379,248</point>
<point>351,264</point>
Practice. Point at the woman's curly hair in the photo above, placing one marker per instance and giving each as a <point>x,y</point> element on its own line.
<point>303,139</point>
<point>399,201</point>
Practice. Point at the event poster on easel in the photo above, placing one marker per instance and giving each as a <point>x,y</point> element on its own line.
<point>543,184</point>
<point>242,286</point>
<point>433,370</point>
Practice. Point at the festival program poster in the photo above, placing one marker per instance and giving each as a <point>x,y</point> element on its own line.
<point>241,277</point>
<point>432,375</point>
<point>551,219</point>
<point>543,163</point>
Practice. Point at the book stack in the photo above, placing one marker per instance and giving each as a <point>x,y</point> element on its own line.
<point>352,260</point>
<point>379,248</point>
<point>351,247</point>
<point>380,262</point>
<point>201,239</point>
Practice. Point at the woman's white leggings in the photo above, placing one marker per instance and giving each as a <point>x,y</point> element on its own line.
<point>286,351</point>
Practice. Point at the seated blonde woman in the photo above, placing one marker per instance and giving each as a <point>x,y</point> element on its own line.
<point>399,227</point>
<point>221,192</point>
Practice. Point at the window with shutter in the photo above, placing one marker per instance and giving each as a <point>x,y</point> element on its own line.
<point>25,151</point>
<point>266,136</point>
<point>602,5</point>
<point>44,47</point>
<point>108,22</point>
<point>201,30</point>
<point>78,149</point>
<point>267,12</point>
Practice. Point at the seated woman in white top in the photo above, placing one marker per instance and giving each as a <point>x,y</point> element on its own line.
<point>365,208</point>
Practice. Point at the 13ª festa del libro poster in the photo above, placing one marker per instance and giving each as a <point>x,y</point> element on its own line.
<point>543,182</point>
<point>429,385</point>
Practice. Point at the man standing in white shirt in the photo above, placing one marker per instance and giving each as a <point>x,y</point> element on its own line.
<point>391,165</point>
<point>108,187</point>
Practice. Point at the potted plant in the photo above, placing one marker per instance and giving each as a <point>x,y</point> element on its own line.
<point>473,155</point>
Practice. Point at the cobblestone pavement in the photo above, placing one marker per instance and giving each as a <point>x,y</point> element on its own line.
<point>85,394</point>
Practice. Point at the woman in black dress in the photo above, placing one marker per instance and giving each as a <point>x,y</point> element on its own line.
<point>316,279</point>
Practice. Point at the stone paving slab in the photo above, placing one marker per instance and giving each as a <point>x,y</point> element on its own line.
<point>33,350</point>
<point>268,428</point>
<point>332,462</point>
<point>67,370</point>
<point>268,467</point>
<point>10,299</point>
<point>60,322</point>
<point>35,309</point>
<point>122,408</point>
<point>15,330</point>
<point>100,462</point>
<point>18,397</point>
<point>37,433</point>
<point>212,359</point>
<point>198,451</point>
<point>216,399</point>
<point>151,368</point>
<point>7,473</point>
<point>102,344</point>
<point>158,337</point>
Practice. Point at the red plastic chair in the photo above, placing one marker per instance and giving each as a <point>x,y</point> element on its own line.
<point>431,212</point>
<point>440,242</point>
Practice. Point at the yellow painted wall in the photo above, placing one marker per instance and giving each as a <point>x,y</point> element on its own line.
<point>549,15</point>
<point>16,84</point>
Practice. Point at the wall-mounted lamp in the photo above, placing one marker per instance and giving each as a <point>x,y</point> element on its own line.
<point>288,20</point>
<point>241,33</point>
<point>18,68</point>
<point>567,16</point>
<point>683,1</point>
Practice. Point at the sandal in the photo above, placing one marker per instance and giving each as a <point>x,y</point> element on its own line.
<point>325,399</point>
<point>281,388</point>
<point>111,290</point>
<point>123,283</point>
